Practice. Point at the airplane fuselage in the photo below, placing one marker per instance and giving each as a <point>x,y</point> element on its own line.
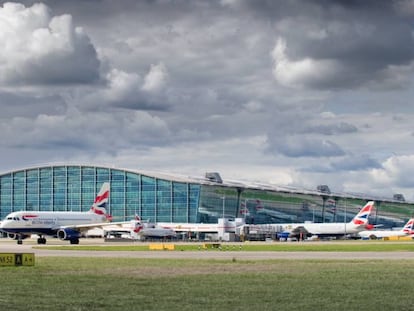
<point>325,229</point>
<point>382,233</point>
<point>46,222</point>
<point>157,232</point>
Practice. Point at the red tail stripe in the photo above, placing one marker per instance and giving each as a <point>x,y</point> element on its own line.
<point>102,197</point>
<point>365,209</point>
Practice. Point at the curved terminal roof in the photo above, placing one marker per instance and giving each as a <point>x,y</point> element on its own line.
<point>203,180</point>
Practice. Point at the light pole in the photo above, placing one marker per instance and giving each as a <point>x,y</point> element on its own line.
<point>313,212</point>
<point>345,221</point>
<point>224,204</point>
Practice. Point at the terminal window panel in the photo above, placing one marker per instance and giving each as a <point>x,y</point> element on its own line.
<point>5,195</point>
<point>87,198</point>
<point>6,201</point>
<point>132,203</point>
<point>194,197</point>
<point>74,172</point>
<point>45,202</point>
<point>116,206</point>
<point>148,197</point>
<point>32,203</point>
<point>180,202</point>
<point>32,178</point>
<point>59,199</point>
<point>117,175</point>
<point>132,181</point>
<point>102,175</point>
<point>164,200</point>
<point>19,195</point>
<point>117,211</point>
<point>32,186</point>
<point>45,173</point>
<point>19,204</point>
<point>74,203</point>
<point>131,209</point>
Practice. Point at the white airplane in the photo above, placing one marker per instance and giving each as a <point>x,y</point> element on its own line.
<point>357,224</point>
<point>136,229</point>
<point>407,230</point>
<point>64,225</point>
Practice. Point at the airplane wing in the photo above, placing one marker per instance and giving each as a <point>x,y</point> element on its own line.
<point>86,227</point>
<point>295,229</point>
<point>299,231</point>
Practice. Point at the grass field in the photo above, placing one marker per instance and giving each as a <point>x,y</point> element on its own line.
<point>162,284</point>
<point>356,246</point>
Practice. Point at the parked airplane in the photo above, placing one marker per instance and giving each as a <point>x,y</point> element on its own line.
<point>357,224</point>
<point>153,231</point>
<point>136,229</point>
<point>64,225</point>
<point>407,230</point>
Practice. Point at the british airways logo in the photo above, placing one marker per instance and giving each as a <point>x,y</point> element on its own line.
<point>362,217</point>
<point>28,217</point>
<point>99,205</point>
<point>408,227</point>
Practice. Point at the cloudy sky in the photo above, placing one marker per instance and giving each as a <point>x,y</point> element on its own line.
<point>289,92</point>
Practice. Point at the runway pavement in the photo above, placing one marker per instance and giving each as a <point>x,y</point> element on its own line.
<point>40,251</point>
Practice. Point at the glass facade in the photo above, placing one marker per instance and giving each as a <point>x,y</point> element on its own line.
<point>73,188</point>
<point>265,206</point>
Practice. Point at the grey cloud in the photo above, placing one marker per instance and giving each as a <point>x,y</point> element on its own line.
<point>295,146</point>
<point>356,42</point>
<point>89,132</point>
<point>356,163</point>
<point>22,104</point>
<point>332,129</point>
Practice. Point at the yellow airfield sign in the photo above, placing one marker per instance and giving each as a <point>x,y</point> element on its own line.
<point>17,259</point>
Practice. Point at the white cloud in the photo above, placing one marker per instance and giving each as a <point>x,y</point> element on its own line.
<point>122,86</point>
<point>398,170</point>
<point>128,90</point>
<point>40,49</point>
<point>156,78</point>
<point>303,72</point>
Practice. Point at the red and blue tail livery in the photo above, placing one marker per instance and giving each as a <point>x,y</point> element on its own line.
<point>101,201</point>
<point>408,228</point>
<point>361,219</point>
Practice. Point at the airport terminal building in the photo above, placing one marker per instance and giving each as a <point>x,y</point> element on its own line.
<point>182,199</point>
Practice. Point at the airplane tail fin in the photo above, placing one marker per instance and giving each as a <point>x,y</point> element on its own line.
<point>101,201</point>
<point>408,228</point>
<point>361,219</point>
<point>136,224</point>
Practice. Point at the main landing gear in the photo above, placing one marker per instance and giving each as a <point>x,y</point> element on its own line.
<point>74,241</point>
<point>41,240</point>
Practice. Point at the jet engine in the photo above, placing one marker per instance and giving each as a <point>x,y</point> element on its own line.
<point>15,236</point>
<point>68,234</point>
